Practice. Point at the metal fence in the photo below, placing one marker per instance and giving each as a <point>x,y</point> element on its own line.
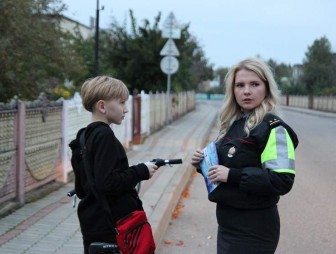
<point>35,136</point>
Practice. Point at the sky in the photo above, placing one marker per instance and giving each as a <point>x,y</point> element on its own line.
<point>229,31</point>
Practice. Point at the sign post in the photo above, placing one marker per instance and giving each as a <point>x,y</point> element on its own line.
<point>169,64</point>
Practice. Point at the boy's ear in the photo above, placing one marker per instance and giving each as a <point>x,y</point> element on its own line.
<point>100,106</point>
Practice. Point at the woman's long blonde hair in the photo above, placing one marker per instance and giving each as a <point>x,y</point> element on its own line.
<point>231,111</point>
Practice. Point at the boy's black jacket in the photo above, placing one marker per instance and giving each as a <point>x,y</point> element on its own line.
<point>113,177</point>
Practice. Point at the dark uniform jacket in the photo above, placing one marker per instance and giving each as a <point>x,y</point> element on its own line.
<point>261,165</point>
<point>113,177</point>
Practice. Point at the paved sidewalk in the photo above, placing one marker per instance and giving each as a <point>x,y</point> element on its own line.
<point>50,225</point>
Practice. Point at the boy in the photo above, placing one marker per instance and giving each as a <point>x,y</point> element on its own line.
<point>105,98</point>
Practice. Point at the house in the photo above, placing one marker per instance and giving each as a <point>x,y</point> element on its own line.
<point>74,27</point>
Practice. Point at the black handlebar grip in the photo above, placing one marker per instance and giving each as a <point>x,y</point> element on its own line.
<point>101,247</point>
<point>161,162</point>
<point>175,161</point>
<point>71,193</point>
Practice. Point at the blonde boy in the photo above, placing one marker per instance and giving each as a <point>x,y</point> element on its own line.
<point>105,98</point>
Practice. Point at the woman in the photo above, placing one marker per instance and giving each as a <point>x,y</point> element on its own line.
<point>256,161</point>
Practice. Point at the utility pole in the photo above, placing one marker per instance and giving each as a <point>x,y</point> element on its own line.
<point>96,59</point>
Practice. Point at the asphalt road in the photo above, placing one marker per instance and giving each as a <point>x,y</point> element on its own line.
<point>308,212</point>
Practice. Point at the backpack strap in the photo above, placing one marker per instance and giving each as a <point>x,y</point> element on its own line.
<point>100,197</point>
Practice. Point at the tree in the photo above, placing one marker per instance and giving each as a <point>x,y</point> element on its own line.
<point>35,55</point>
<point>194,67</point>
<point>222,74</point>
<point>134,54</point>
<point>283,75</point>
<point>84,50</point>
<point>319,67</point>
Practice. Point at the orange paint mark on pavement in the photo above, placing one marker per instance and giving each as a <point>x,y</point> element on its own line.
<point>180,243</point>
<point>169,242</point>
<point>185,194</point>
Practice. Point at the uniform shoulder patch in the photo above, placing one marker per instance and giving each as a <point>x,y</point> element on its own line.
<point>272,120</point>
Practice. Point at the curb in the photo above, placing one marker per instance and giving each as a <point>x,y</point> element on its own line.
<point>309,111</point>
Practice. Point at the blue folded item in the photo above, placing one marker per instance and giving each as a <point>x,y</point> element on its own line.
<point>210,159</point>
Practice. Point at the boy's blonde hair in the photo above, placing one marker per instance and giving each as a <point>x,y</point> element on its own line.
<point>102,88</point>
<point>231,111</point>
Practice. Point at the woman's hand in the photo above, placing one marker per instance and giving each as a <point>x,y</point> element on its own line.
<point>196,158</point>
<point>218,173</point>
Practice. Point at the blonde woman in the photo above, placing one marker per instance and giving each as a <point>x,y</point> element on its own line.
<point>256,156</point>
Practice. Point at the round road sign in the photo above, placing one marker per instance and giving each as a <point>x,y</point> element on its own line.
<point>169,64</point>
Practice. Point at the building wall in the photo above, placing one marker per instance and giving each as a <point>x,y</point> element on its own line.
<point>74,27</point>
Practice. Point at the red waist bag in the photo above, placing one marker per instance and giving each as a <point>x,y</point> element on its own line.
<point>134,234</point>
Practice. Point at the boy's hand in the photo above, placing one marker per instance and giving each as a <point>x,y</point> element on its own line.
<point>151,168</point>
